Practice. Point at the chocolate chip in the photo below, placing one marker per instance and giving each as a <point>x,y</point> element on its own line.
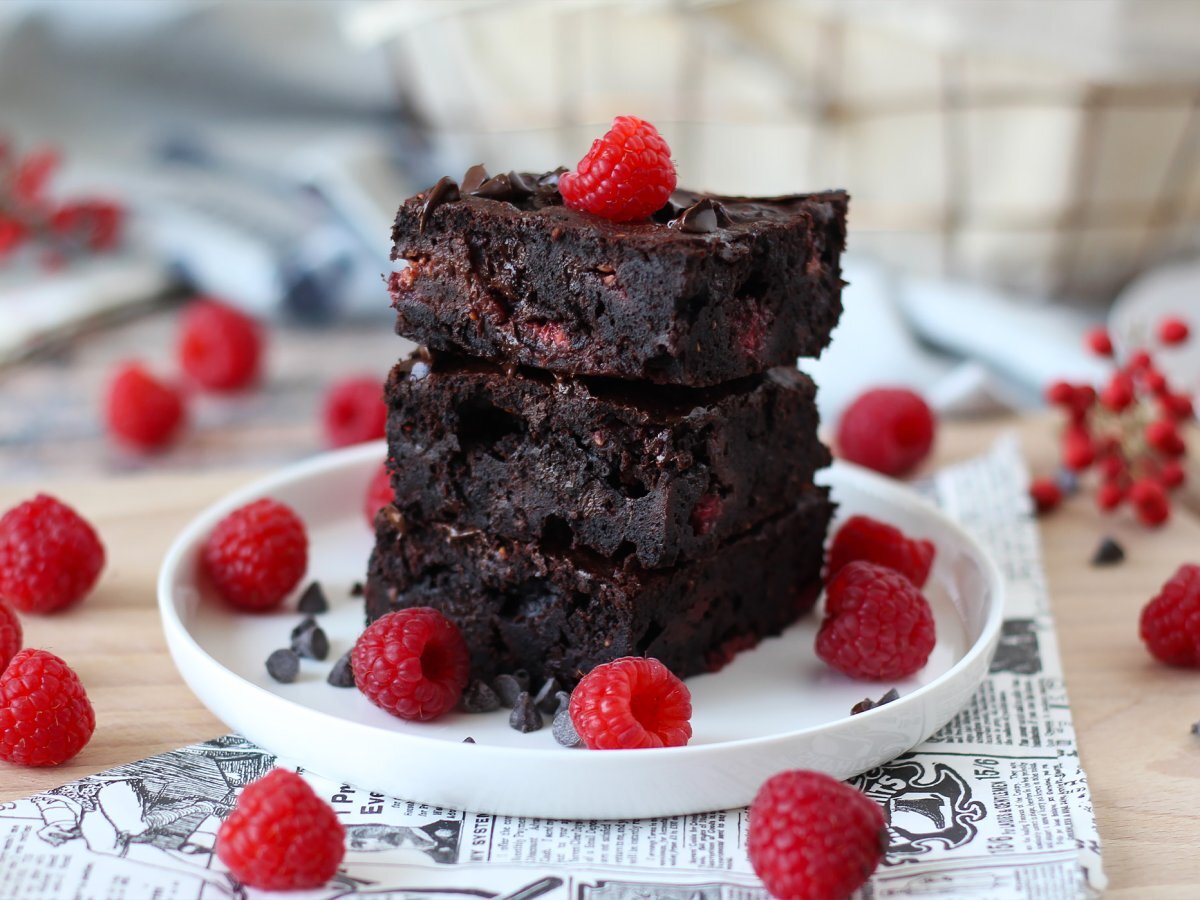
<point>311,642</point>
<point>498,187</point>
<point>1109,553</point>
<point>525,716</point>
<point>283,666</point>
<point>468,740</point>
<point>867,703</point>
<point>475,176</point>
<point>306,624</point>
<point>563,729</point>
<point>445,191</point>
<point>342,674</point>
<point>523,183</point>
<point>508,689</point>
<point>1196,728</point>
<point>546,699</point>
<point>313,601</point>
<point>357,589</point>
<point>522,676</point>
<point>479,698</point>
<point>701,217</point>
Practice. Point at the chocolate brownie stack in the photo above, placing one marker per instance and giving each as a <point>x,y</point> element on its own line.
<point>606,449</point>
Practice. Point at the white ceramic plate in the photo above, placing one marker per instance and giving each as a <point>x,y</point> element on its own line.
<point>773,708</point>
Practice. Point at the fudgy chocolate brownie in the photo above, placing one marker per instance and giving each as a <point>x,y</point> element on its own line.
<point>664,473</point>
<point>711,289</point>
<point>559,614</point>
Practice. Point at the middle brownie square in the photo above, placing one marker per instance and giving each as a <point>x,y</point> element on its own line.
<point>615,467</point>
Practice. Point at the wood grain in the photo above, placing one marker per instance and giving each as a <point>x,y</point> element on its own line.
<point>1132,715</point>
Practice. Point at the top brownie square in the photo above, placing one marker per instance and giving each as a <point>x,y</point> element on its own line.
<point>710,289</point>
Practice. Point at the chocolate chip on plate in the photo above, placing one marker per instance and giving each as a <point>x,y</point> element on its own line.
<point>525,716</point>
<point>546,699</point>
<point>508,689</point>
<point>312,642</point>
<point>867,703</point>
<point>283,666</point>
<point>313,601</point>
<point>468,740</point>
<point>479,698</point>
<point>563,728</point>
<point>342,674</point>
<point>1109,553</point>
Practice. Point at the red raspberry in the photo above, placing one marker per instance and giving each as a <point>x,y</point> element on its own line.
<point>705,513</point>
<point>219,348</point>
<point>1154,380</point>
<point>354,412</point>
<point>94,222</point>
<point>812,837</point>
<point>142,412</point>
<point>412,663</point>
<point>889,430</point>
<point>1150,502</point>
<point>1078,448</point>
<point>1098,341</point>
<point>50,557</point>
<point>864,538</point>
<point>11,636</point>
<point>1176,406</point>
<point>256,555</point>
<point>281,836</point>
<point>1046,494</point>
<point>379,493</point>
<point>1172,474</point>
<point>1060,393</point>
<point>1118,393</point>
<point>631,703</point>
<point>45,715</point>
<point>1109,496</point>
<point>1164,437</point>
<point>627,175</point>
<point>1138,360</point>
<point>1170,623</point>
<point>877,624</point>
<point>1172,330</point>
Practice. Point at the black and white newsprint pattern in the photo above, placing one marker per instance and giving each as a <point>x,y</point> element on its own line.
<point>994,806</point>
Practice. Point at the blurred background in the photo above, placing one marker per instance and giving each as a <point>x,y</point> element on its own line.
<point>1021,170</point>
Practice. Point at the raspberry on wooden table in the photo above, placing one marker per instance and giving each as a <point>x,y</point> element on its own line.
<point>877,625</point>
<point>257,554</point>
<point>631,703</point>
<point>814,838</point>
<point>889,430</point>
<point>50,557</point>
<point>354,412</point>
<point>219,347</point>
<point>281,836</point>
<point>379,493</point>
<point>45,715</point>
<point>864,538</point>
<point>11,635</point>
<point>142,412</point>
<point>1170,623</point>
<point>627,175</point>
<point>412,663</point>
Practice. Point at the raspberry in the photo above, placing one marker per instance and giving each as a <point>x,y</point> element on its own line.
<point>1172,330</point>
<point>889,430</point>
<point>1118,393</point>
<point>1172,474</point>
<point>1078,448</point>
<point>142,412</point>
<point>864,538</point>
<point>11,636</point>
<point>1170,623</point>
<point>1099,342</point>
<point>281,836</point>
<point>705,513</point>
<point>412,663</point>
<point>1046,494</point>
<point>632,703</point>
<point>1109,496</point>
<point>1150,502</point>
<point>50,557</point>
<point>219,348</point>
<point>379,493</point>
<point>256,555</point>
<point>45,715</point>
<point>354,412</point>
<point>627,175</point>
<point>877,624</point>
<point>812,837</point>
<point>1163,436</point>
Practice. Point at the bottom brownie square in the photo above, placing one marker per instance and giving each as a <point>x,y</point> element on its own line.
<point>562,614</point>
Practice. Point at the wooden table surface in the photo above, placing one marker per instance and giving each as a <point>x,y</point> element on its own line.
<point>1132,715</point>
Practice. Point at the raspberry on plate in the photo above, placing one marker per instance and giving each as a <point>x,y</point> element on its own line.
<point>877,625</point>
<point>45,715</point>
<point>354,412</point>
<point>631,703</point>
<point>281,836</point>
<point>11,635</point>
<point>889,430</point>
<point>864,538</point>
<point>628,174</point>
<point>256,555</point>
<point>412,663</point>
<point>50,557</point>
<point>1170,624</point>
<point>219,347</point>
<point>814,838</point>
<point>379,493</point>
<point>142,412</point>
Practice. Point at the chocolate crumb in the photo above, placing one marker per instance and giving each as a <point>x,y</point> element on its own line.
<point>508,689</point>
<point>312,601</point>
<point>312,642</point>
<point>525,716</point>
<point>563,729</point>
<point>342,674</point>
<point>546,699</point>
<point>468,740</point>
<point>283,666</point>
<point>306,624</point>
<point>867,703</point>
<point>1196,728</point>
<point>479,698</point>
<point>357,589</point>
<point>1109,553</point>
